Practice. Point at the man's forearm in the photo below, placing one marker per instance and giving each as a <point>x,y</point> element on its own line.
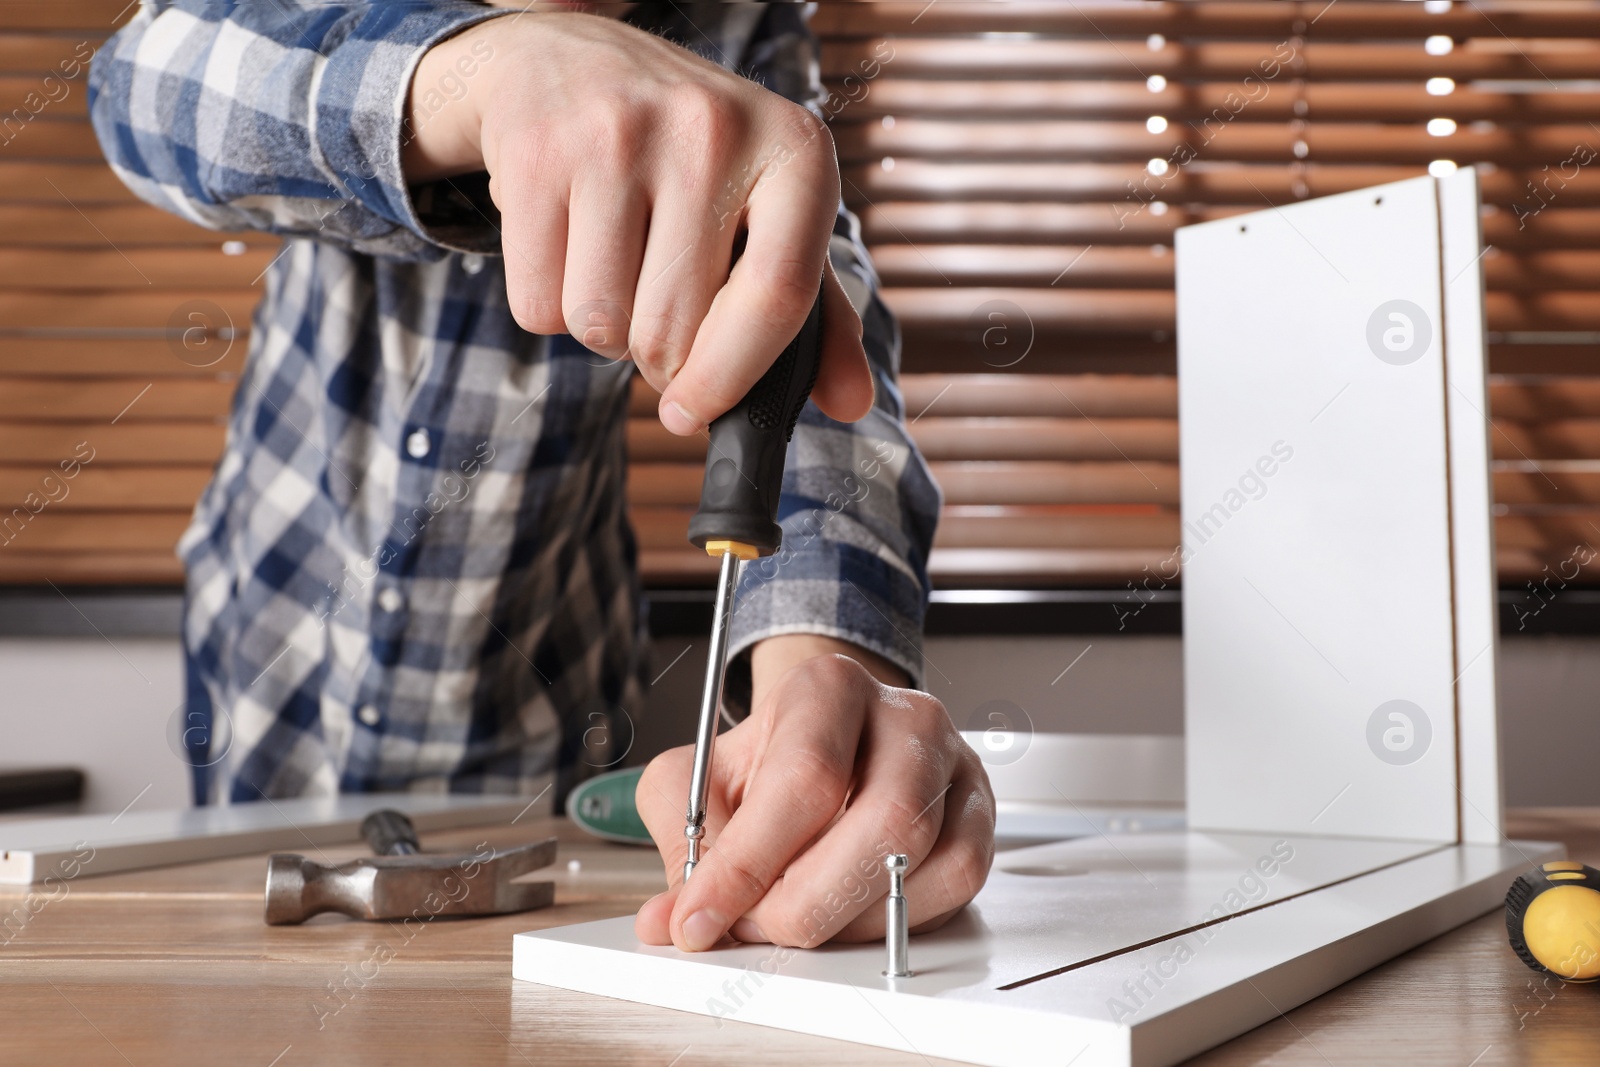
<point>771,659</point>
<point>337,178</point>
<point>442,129</point>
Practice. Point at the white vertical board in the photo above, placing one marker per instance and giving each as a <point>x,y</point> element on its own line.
<point>1318,640</point>
<point>1471,500</point>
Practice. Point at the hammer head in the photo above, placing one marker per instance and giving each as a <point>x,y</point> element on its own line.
<point>420,886</point>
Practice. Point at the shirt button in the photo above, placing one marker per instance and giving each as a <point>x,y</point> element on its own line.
<point>390,600</point>
<point>472,263</point>
<point>417,444</point>
<point>369,714</point>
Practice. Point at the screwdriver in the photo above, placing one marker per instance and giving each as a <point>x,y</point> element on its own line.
<point>738,521</point>
<point>1553,920</point>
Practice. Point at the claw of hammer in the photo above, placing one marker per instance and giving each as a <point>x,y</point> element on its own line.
<point>422,885</point>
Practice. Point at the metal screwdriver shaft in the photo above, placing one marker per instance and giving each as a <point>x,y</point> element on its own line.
<point>705,737</point>
<point>738,520</point>
<point>896,930</point>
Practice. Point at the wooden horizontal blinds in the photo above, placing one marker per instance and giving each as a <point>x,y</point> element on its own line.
<point>1019,168</point>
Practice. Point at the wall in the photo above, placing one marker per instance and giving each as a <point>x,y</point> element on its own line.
<point>99,706</point>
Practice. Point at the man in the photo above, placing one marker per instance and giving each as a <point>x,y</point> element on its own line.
<point>413,568</point>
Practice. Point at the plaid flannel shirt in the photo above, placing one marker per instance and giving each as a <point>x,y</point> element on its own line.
<point>413,568</point>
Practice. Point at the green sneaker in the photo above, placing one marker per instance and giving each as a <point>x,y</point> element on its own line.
<point>604,806</point>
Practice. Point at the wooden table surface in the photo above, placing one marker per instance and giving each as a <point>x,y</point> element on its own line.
<point>174,967</point>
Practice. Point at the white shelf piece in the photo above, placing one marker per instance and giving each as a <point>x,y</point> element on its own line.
<point>34,849</point>
<point>1040,965</point>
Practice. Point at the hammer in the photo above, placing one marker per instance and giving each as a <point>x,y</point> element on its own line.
<point>402,881</point>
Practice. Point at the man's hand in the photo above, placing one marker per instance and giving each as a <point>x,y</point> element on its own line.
<point>832,771</point>
<point>623,167</point>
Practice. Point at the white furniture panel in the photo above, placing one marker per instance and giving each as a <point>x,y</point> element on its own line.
<point>1031,972</point>
<point>32,850</point>
<point>1318,648</point>
<point>1471,514</point>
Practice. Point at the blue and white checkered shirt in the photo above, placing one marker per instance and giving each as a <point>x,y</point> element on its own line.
<point>413,567</point>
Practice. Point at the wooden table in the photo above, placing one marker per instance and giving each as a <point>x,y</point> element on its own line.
<point>175,967</point>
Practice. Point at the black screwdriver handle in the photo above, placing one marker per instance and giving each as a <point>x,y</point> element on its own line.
<point>390,833</point>
<point>744,465</point>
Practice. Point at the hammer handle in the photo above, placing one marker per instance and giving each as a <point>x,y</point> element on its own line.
<point>390,833</point>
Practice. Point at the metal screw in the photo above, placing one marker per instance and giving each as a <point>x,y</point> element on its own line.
<point>896,931</point>
<point>693,832</point>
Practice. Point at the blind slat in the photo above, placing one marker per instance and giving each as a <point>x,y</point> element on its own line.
<point>1213,142</point>
<point>43,446</point>
<point>116,309</point>
<point>141,358</point>
<point>1266,21</point>
<point>30,400</point>
<point>99,16</point>
<point>58,183</point>
<point>1140,312</point>
<point>32,55</point>
<point>196,271</point>
<point>94,488</point>
<point>91,566</point>
<point>897,96</point>
<point>1044,222</point>
<point>126,226</point>
<point>46,136</point>
<point>1086,266</point>
<point>1130,189</point>
<point>1380,61</point>
<point>66,534</point>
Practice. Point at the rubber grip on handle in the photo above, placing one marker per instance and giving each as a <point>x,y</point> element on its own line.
<point>744,464</point>
<point>390,833</point>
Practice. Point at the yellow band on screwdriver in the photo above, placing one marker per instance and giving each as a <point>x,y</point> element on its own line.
<point>736,548</point>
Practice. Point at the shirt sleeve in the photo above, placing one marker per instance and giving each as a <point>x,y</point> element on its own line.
<point>858,510</point>
<point>286,116</point>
